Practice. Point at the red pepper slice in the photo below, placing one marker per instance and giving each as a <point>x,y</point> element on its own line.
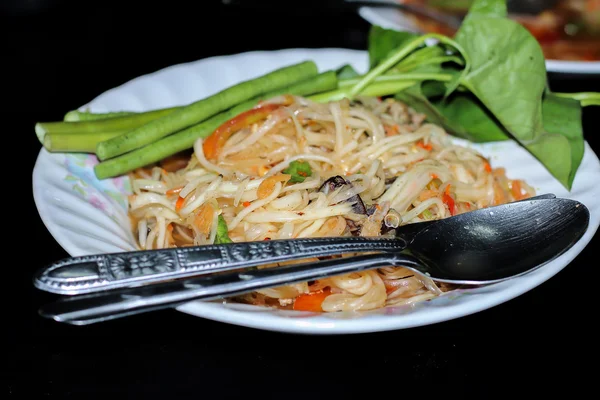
<point>215,142</point>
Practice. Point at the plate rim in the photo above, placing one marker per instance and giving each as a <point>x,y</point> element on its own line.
<point>325,324</point>
<point>371,15</point>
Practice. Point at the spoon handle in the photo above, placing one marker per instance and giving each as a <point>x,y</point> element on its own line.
<point>98,307</point>
<point>95,273</point>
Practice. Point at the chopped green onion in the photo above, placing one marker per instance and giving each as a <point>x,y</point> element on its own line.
<point>222,232</point>
<point>299,170</point>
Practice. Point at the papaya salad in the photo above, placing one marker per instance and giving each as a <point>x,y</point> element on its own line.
<point>294,168</point>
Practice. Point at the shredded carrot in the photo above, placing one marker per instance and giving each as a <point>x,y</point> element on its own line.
<point>487,167</point>
<point>311,301</point>
<point>204,218</point>
<point>499,197</point>
<point>246,204</point>
<point>170,227</point>
<point>179,203</point>
<point>391,130</point>
<point>449,201</point>
<point>267,186</point>
<point>516,190</point>
<point>173,191</point>
<point>499,172</point>
<point>434,176</point>
<point>391,285</point>
<point>422,145</point>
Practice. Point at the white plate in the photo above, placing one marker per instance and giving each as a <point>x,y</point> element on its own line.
<point>88,216</point>
<point>395,19</point>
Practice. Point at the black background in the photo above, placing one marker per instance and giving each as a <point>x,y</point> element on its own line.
<point>58,55</point>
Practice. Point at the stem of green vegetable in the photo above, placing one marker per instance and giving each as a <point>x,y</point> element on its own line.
<point>376,89</point>
<point>585,98</point>
<point>400,54</point>
<point>399,77</point>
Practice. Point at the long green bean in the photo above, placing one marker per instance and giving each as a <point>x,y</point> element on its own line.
<point>202,109</point>
<point>185,139</point>
<point>78,115</point>
<point>120,124</point>
<point>75,143</point>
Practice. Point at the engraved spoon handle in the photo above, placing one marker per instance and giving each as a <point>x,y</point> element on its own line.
<point>98,307</point>
<point>95,273</point>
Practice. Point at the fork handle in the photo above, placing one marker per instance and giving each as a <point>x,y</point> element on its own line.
<point>95,273</point>
<point>93,308</point>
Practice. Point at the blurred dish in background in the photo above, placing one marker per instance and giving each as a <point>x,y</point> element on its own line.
<point>568,30</point>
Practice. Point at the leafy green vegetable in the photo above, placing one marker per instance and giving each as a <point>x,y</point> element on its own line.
<point>466,111</point>
<point>383,41</point>
<point>488,84</point>
<point>505,55</point>
<point>462,115</point>
<point>299,170</point>
<point>483,9</point>
<point>563,117</point>
<point>401,53</point>
<point>222,232</point>
<point>414,97</point>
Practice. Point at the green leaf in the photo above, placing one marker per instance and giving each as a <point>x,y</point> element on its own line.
<point>461,115</point>
<point>464,110</point>
<point>383,41</point>
<point>554,152</point>
<point>299,170</point>
<point>563,117</point>
<point>222,232</point>
<point>433,89</point>
<point>485,9</point>
<point>508,73</point>
<point>346,72</point>
<point>415,98</point>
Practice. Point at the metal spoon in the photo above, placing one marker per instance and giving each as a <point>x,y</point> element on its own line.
<point>478,247</point>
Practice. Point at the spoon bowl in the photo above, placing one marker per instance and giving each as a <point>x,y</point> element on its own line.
<point>491,244</point>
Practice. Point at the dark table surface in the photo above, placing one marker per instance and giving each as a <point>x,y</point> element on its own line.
<point>62,54</point>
